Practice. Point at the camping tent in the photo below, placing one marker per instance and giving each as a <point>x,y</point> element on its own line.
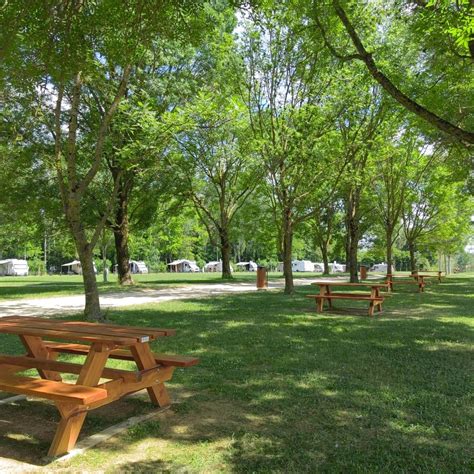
<point>318,267</point>
<point>137,266</point>
<point>13,267</point>
<point>380,267</point>
<point>337,267</point>
<point>302,266</point>
<point>247,266</point>
<point>183,266</point>
<point>215,266</point>
<point>74,268</point>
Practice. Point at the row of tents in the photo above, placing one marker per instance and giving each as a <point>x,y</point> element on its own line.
<point>17,267</point>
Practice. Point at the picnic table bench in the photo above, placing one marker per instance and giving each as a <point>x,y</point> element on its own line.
<point>418,280</point>
<point>96,385</point>
<point>374,298</point>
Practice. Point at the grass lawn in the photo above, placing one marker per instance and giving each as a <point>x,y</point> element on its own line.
<point>281,388</point>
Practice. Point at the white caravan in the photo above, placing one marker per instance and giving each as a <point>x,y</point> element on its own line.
<point>13,267</point>
<point>183,266</point>
<point>302,266</point>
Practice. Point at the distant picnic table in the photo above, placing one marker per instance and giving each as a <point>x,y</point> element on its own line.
<point>99,342</point>
<point>427,274</point>
<point>326,293</point>
<point>414,279</point>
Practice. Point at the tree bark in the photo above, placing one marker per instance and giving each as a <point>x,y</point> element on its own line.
<point>84,249</point>
<point>225,252</point>
<point>121,230</point>
<point>411,249</point>
<point>287,251</point>
<point>324,251</point>
<point>354,242</point>
<point>389,237</point>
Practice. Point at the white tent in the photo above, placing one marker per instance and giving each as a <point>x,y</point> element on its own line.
<point>302,266</point>
<point>183,266</point>
<point>215,266</point>
<point>137,266</point>
<point>247,266</point>
<point>74,268</point>
<point>13,267</point>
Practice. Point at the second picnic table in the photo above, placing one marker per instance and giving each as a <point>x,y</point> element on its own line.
<point>98,342</point>
<point>374,298</point>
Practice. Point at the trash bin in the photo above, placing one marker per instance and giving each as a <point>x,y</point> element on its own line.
<point>262,278</point>
<point>363,272</point>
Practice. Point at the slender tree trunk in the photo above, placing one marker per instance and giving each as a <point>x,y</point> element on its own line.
<point>287,251</point>
<point>121,230</point>
<point>389,237</point>
<point>324,251</point>
<point>92,304</point>
<point>353,234</point>
<point>354,278</point>
<point>105,271</point>
<point>411,249</point>
<point>225,252</point>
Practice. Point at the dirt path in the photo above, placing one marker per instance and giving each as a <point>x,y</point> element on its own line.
<point>75,303</point>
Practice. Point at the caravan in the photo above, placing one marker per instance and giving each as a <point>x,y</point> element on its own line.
<point>337,267</point>
<point>13,267</point>
<point>302,266</point>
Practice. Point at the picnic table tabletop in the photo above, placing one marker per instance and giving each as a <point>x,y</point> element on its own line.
<point>90,391</point>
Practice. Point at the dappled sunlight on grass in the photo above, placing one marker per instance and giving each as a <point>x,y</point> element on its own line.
<point>281,388</point>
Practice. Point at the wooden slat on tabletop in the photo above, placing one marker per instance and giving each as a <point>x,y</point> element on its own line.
<point>22,329</point>
<point>92,328</point>
<point>347,283</point>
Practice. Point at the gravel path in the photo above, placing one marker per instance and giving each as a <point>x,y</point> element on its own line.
<point>75,303</point>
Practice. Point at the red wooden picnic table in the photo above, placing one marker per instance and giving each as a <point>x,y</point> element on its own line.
<point>98,342</point>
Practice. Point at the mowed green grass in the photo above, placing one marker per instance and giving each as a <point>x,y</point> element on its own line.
<point>281,388</point>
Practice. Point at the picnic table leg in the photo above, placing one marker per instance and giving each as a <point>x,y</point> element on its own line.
<point>36,348</point>
<point>145,360</point>
<point>325,290</point>
<point>73,416</point>
<point>371,308</point>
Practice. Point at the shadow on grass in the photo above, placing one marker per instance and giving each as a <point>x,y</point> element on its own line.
<point>295,391</point>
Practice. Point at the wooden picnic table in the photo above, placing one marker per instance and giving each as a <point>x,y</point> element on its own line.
<point>433,274</point>
<point>393,280</point>
<point>327,294</point>
<point>98,342</point>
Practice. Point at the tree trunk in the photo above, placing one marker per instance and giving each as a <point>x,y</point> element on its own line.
<point>411,249</point>
<point>121,230</point>
<point>324,251</point>
<point>354,278</point>
<point>287,251</point>
<point>389,237</point>
<point>84,249</point>
<point>92,306</point>
<point>225,252</point>
<point>105,271</point>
